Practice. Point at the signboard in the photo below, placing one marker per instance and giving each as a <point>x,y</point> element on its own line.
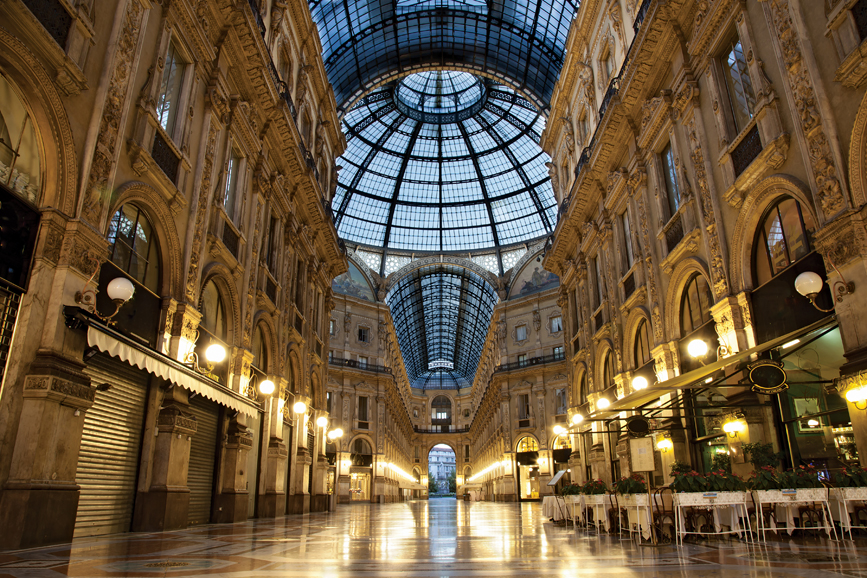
<point>556,478</point>
<point>641,451</point>
<point>767,376</point>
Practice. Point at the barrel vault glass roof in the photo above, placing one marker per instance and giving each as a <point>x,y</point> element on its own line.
<point>443,162</point>
<point>441,315</point>
<point>366,42</point>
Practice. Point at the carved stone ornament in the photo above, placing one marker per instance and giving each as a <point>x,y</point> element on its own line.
<point>537,320</point>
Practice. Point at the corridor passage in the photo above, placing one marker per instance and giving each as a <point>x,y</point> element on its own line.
<point>436,538</point>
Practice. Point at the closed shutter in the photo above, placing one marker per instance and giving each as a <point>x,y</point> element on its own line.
<point>287,436</point>
<point>203,449</point>
<point>109,456</point>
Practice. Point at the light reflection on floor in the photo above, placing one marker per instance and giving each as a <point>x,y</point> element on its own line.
<point>436,538</point>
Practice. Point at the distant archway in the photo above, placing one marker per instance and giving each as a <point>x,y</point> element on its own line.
<point>441,472</point>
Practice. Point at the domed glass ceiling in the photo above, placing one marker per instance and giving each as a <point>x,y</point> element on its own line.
<point>443,162</point>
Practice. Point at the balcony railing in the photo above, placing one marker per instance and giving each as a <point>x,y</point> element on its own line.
<point>639,18</point>
<point>444,429</point>
<point>355,364</point>
<point>746,151</point>
<point>532,361</point>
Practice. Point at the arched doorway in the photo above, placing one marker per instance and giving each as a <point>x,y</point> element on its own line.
<point>527,456</point>
<point>441,471</point>
<point>361,456</point>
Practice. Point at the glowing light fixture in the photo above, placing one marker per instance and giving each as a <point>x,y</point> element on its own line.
<point>603,403</point>
<point>215,353</point>
<point>300,407</point>
<point>266,387</point>
<point>639,383</point>
<point>577,418</point>
<point>322,421</point>
<point>734,427</point>
<point>858,396</point>
<point>813,422</point>
<point>697,348</point>
<point>791,343</point>
<point>664,445</point>
<point>558,429</point>
<point>809,284</point>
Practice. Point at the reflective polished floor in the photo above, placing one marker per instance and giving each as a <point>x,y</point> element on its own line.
<point>436,538</point>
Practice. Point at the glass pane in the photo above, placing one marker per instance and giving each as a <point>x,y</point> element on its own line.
<point>170,90</point>
<point>776,242</point>
<point>796,238</point>
<point>739,85</point>
<point>213,316</point>
<point>670,173</point>
<point>627,239</point>
<point>705,299</point>
<point>229,198</point>
<point>763,266</point>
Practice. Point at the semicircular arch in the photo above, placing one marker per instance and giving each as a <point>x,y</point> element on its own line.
<point>222,278</point>
<point>681,275</point>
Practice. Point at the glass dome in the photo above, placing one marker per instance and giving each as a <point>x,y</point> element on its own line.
<point>443,162</point>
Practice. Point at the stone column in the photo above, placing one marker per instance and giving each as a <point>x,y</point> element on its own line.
<point>273,502</point>
<point>231,502</point>
<point>165,504</point>
<point>39,502</point>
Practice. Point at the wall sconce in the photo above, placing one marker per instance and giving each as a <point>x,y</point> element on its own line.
<point>664,445</point>
<point>346,463</point>
<point>857,396</point>
<point>266,387</point>
<point>809,284</point>
<point>697,349</point>
<point>214,354</point>
<point>119,290</point>
<point>577,418</point>
<point>639,383</point>
<point>734,427</point>
<point>322,421</point>
<point>559,429</point>
<point>300,407</point>
<point>335,433</point>
<point>543,462</point>
<point>603,403</point>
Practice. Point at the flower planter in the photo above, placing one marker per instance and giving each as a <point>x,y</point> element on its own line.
<point>855,493</point>
<point>633,500</point>
<point>798,495</point>
<point>709,498</point>
<point>595,499</point>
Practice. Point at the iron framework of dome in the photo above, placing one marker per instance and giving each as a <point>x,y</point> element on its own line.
<point>367,42</point>
<point>441,315</point>
<point>442,162</point>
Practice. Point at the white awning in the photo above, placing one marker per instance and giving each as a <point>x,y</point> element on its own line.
<point>169,370</point>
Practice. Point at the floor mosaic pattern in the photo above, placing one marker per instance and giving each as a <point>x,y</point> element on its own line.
<point>426,539</point>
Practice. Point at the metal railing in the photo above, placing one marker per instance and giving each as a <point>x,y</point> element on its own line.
<point>355,364</point>
<point>532,361</point>
<point>444,429</point>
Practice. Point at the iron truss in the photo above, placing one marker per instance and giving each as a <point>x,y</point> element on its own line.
<point>367,41</point>
<point>441,315</point>
<point>457,184</point>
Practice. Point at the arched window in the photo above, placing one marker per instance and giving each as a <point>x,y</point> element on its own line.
<point>260,350</point>
<point>695,305</point>
<point>528,444</point>
<point>608,371</point>
<point>562,442</point>
<point>213,312</point>
<point>19,151</point>
<point>642,344</point>
<point>134,246</point>
<point>782,239</point>
<point>213,328</point>
<point>441,408</point>
<point>290,374</point>
<point>582,388</point>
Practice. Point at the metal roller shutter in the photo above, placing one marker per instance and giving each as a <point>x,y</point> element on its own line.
<point>109,456</point>
<point>203,449</point>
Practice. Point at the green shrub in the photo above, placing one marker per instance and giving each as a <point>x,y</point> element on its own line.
<point>634,484</point>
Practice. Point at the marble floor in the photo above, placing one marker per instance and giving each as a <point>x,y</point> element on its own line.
<point>436,538</point>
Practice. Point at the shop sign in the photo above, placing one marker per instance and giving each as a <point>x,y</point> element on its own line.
<point>768,377</point>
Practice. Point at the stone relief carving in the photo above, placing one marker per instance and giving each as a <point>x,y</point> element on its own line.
<point>192,284</point>
<point>825,175</point>
<point>105,153</point>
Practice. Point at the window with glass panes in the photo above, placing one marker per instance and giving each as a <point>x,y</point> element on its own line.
<point>582,388</point>
<point>739,86</point>
<point>522,358</point>
<point>669,170</point>
<point>627,239</point>
<point>695,305</point>
<point>608,371</point>
<point>556,324</point>
<point>134,247</point>
<point>597,270</point>
<point>520,333</point>
<point>213,328</point>
<point>171,84</point>
<point>230,193</point>
<point>260,351</point>
<point>524,406</point>
<point>560,397</point>
<point>642,344</point>
<point>558,351</point>
<point>783,238</point>
<point>362,408</point>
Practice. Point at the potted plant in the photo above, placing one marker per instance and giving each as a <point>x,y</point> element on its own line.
<point>594,492</point>
<point>633,489</point>
<point>851,483</point>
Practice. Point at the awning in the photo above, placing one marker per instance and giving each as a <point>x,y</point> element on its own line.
<point>167,368</point>
<point>696,377</point>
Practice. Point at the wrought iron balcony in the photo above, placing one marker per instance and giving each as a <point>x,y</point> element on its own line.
<point>553,358</point>
<point>355,364</point>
